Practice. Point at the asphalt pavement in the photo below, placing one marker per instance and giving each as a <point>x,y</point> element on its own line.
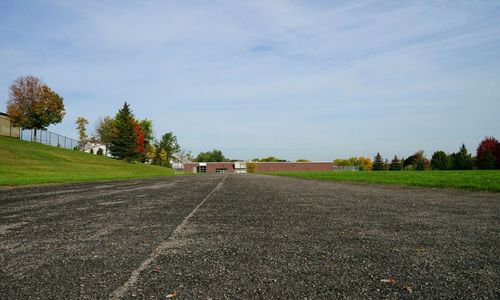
<point>246,236</point>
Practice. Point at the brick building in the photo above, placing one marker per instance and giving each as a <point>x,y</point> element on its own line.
<point>243,167</point>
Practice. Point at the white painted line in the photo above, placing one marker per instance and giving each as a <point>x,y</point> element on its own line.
<point>120,292</point>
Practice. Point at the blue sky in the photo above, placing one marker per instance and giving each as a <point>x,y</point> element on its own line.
<point>293,79</point>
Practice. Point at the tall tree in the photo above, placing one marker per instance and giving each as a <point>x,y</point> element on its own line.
<point>124,141</point>
<point>104,131</point>
<point>378,163</point>
<point>33,105</point>
<point>462,160</point>
<point>488,154</point>
<point>81,124</point>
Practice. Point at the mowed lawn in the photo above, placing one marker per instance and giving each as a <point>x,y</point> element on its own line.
<point>484,180</point>
<point>24,163</point>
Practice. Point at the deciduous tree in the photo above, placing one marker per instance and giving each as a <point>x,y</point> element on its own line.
<point>33,105</point>
<point>104,131</point>
<point>168,143</point>
<point>440,161</point>
<point>488,154</point>
<point>81,124</point>
<point>211,156</point>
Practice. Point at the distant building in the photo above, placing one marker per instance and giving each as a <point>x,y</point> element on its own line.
<point>6,127</point>
<point>94,147</point>
<point>242,167</point>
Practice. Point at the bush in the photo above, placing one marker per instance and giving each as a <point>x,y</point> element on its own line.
<point>251,167</point>
<point>417,161</point>
<point>440,161</point>
<point>91,151</point>
<point>100,152</point>
<point>488,154</point>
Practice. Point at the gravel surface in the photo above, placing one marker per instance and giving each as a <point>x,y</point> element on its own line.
<point>247,236</point>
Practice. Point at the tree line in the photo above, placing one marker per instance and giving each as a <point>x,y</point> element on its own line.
<point>487,158</point>
<point>129,138</point>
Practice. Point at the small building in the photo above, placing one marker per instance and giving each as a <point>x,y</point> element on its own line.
<point>263,167</point>
<point>94,147</point>
<point>6,127</point>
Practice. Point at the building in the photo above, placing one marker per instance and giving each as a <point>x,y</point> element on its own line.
<point>6,127</point>
<point>262,167</point>
<point>211,167</point>
<point>94,147</point>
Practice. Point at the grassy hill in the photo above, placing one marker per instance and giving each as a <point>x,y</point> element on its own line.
<point>31,163</point>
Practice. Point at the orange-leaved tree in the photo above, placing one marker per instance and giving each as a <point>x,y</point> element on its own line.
<point>33,105</point>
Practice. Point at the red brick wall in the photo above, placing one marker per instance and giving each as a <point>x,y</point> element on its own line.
<point>293,166</point>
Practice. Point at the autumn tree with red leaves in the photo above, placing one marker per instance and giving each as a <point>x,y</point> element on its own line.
<point>140,138</point>
<point>488,154</point>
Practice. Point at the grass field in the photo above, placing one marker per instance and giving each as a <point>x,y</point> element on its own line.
<point>24,163</point>
<point>471,180</point>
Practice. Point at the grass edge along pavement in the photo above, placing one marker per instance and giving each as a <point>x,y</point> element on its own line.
<point>27,163</point>
<point>476,180</point>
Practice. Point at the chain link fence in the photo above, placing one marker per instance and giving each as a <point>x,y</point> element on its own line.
<point>48,138</point>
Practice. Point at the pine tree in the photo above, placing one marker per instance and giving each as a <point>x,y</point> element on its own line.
<point>378,163</point>
<point>462,160</point>
<point>124,141</point>
<point>396,164</point>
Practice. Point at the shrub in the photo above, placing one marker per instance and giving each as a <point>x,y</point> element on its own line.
<point>100,152</point>
<point>417,161</point>
<point>251,167</point>
<point>488,154</point>
<point>440,161</point>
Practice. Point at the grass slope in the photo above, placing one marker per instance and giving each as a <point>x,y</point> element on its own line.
<point>24,163</point>
<point>471,180</point>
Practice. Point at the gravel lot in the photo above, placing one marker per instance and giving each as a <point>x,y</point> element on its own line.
<point>247,236</point>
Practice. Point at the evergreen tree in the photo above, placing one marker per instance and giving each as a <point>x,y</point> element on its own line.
<point>396,164</point>
<point>462,160</point>
<point>378,163</point>
<point>124,141</point>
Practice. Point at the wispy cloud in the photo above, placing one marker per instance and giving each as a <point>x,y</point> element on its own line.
<point>285,78</point>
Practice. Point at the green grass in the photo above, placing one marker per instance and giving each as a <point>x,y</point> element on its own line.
<point>471,180</point>
<point>23,163</point>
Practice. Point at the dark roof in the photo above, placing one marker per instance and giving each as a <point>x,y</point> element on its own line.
<point>3,114</point>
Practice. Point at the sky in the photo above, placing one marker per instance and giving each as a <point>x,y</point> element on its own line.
<point>317,80</point>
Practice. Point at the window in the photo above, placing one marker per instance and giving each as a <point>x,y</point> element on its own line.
<point>221,170</point>
<point>202,169</point>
